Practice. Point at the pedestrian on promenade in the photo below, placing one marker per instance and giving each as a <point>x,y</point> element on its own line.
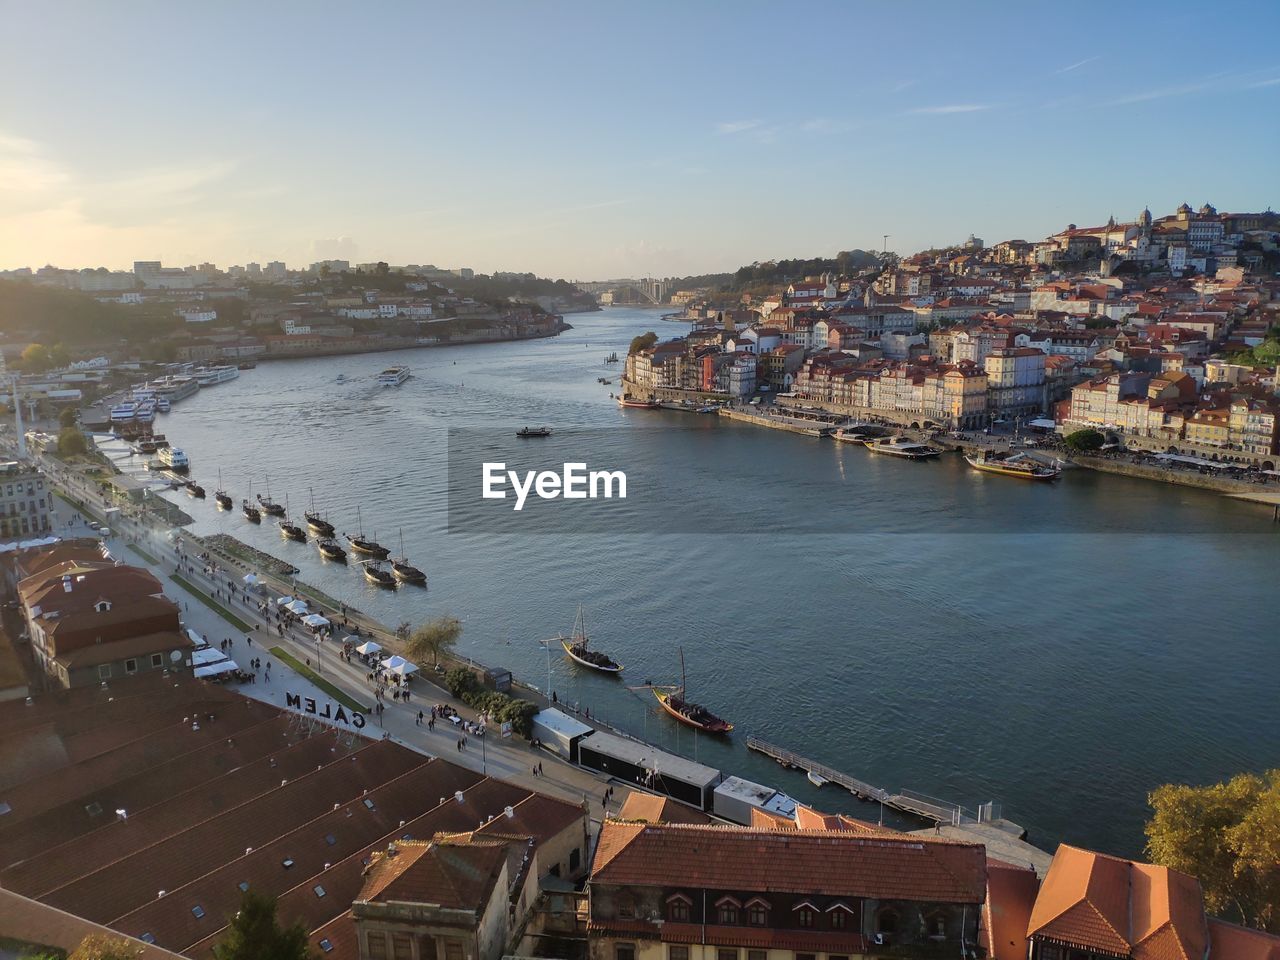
<point>419,718</point>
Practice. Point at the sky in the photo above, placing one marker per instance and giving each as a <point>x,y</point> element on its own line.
<point>590,140</point>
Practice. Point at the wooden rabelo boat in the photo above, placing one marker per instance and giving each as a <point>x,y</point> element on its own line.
<point>575,645</point>
<point>692,714</point>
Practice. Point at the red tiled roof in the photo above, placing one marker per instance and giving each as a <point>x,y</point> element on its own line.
<point>453,873</point>
<point>1011,896</point>
<point>1227,941</point>
<point>655,809</point>
<point>800,861</point>
<point>754,938</point>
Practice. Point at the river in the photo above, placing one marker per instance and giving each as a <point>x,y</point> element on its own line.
<point>1061,649</point>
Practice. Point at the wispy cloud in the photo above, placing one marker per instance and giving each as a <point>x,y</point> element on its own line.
<point>1274,81</point>
<point>1161,93</point>
<point>1078,64</point>
<point>952,108</point>
<point>737,126</point>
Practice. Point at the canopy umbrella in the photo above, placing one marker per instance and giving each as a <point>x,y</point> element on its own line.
<point>369,646</point>
<point>315,621</point>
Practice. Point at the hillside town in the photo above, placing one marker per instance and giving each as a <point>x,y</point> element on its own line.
<point>1161,333</point>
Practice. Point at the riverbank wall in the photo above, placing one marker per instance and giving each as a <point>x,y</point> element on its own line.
<point>350,348</point>
<point>1170,474</point>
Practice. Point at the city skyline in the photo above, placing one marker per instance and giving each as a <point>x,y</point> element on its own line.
<point>684,142</point>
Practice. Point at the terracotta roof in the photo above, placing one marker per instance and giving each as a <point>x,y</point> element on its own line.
<point>1227,941</point>
<point>340,935</point>
<point>809,819</point>
<point>452,873</point>
<point>34,922</point>
<point>1101,903</point>
<point>1011,896</point>
<point>655,809</point>
<point>801,861</point>
<point>754,938</point>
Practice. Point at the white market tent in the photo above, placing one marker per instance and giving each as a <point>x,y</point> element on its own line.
<point>214,669</point>
<point>369,646</point>
<point>208,655</point>
<point>250,578</point>
<point>297,606</point>
<point>315,621</point>
<point>281,601</point>
<point>399,666</point>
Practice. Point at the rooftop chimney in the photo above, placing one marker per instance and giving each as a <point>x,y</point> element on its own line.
<point>457,795</point>
<point>510,812</point>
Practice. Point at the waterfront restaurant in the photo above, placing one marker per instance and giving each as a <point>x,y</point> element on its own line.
<point>661,772</point>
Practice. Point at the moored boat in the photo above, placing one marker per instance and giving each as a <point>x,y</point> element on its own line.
<point>251,513</point>
<point>210,376</point>
<point>576,646</point>
<point>901,447</point>
<point>692,714</point>
<point>1016,465</point>
<point>632,404</point>
<point>317,524</point>
<point>194,490</point>
<point>374,573</point>
<point>363,545</point>
<point>171,458</point>
<point>330,550</point>
<point>404,571</point>
<point>220,496</point>
<point>526,432</point>
<point>288,529</point>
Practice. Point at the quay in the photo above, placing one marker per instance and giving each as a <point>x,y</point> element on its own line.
<point>789,424</point>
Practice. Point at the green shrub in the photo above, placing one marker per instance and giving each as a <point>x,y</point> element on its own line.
<point>501,708</point>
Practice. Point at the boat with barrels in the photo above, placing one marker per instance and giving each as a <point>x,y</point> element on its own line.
<point>379,577</point>
<point>576,646</point>
<point>364,545</point>
<point>331,550</point>
<point>1012,465</point>
<point>676,703</point>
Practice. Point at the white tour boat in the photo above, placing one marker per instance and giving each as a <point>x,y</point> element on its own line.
<point>393,376</point>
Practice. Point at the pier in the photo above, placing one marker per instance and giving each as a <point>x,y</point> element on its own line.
<point>777,423</point>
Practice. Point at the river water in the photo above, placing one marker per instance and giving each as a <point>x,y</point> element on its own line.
<point>1062,648</point>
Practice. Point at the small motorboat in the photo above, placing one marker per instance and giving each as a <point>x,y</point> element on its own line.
<point>816,779</point>
<point>527,432</point>
<point>330,550</point>
<point>374,573</point>
<point>194,490</point>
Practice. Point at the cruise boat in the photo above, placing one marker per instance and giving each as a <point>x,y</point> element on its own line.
<point>853,435</point>
<point>211,376</point>
<point>901,447</point>
<point>575,645</point>
<point>692,714</point>
<point>393,376</point>
<point>123,412</point>
<point>330,550</point>
<point>171,458</point>
<point>174,388</point>
<point>163,405</point>
<point>632,404</point>
<point>146,411</point>
<point>374,573</point>
<point>526,432</point>
<point>1015,465</point>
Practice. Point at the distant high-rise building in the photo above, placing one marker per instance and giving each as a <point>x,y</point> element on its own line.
<point>146,268</point>
<point>276,269</point>
<point>253,269</point>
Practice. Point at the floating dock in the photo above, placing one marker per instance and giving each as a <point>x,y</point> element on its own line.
<point>905,801</point>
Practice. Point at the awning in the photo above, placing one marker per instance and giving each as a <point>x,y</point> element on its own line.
<point>200,642</point>
<point>315,621</point>
<point>1041,423</point>
<point>214,669</point>
<point>208,655</point>
<point>369,646</point>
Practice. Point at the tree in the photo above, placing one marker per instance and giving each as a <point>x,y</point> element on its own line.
<point>71,442</point>
<point>67,418</point>
<point>642,342</point>
<point>35,358</point>
<point>381,268</point>
<point>434,637</point>
<point>1084,441</point>
<point>99,946</point>
<point>404,630</point>
<point>59,355</point>
<point>254,933</point>
<point>1228,836</point>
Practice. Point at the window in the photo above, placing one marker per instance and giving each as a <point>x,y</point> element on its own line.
<point>197,911</point>
<point>839,919</point>
<point>157,660</point>
<point>678,909</point>
<point>834,956</point>
<point>626,908</point>
<point>726,953</point>
<point>677,953</point>
<point>453,950</point>
<point>368,803</point>
<point>376,944</point>
<point>624,951</point>
<point>104,672</point>
<point>935,925</point>
<point>287,862</point>
<point>757,912</point>
<point>319,890</point>
<point>326,945</point>
<point>131,666</point>
<point>806,956</point>
<point>244,886</point>
<point>804,917</point>
<point>757,955</point>
<point>330,839</point>
<point>401,947</point>
<point>575,859</point>
<point>727,913</point>
<point>887,921</point>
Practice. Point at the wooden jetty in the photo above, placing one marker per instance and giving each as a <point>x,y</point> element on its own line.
<point>929,808</point>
